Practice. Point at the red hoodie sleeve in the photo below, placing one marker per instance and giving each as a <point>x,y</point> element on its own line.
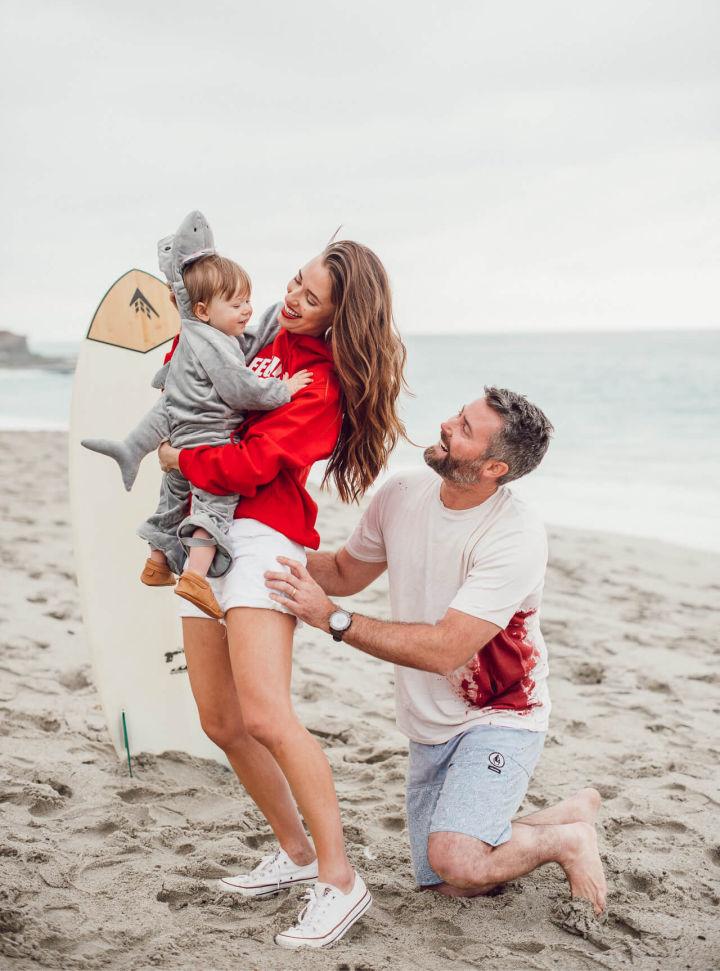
<point>291,437</point>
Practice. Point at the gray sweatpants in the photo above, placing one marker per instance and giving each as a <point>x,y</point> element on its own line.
<point>170,526</point>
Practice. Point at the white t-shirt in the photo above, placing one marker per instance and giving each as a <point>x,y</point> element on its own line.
<point>489,562</point>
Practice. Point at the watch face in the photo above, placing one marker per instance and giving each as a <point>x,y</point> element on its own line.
<point>340,620</point>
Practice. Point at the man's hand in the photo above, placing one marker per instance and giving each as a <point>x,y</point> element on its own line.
<point>169,457</point>
<point>301,595</point>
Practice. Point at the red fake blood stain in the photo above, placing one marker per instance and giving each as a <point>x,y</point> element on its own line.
<point>499,674</point>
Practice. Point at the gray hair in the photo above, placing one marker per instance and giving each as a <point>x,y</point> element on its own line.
<point>525,437</point>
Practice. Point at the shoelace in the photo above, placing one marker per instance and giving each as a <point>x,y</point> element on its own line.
<point>270,865</point>
<point>308,916</point>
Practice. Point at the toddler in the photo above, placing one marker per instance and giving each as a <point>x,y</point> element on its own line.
<point>207,390</point>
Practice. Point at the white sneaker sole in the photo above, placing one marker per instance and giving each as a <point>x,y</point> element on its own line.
<point>354,915</point>
<point>263,890</point>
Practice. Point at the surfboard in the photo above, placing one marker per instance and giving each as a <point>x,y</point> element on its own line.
<point>133,632</point>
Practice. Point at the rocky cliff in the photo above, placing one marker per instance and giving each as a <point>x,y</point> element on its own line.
<point>15,353</point>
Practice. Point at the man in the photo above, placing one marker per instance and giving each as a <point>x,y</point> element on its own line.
<point>466,561</point>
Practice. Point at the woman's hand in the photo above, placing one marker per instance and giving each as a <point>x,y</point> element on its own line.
<point>298,592</point>
<point>169,457</point>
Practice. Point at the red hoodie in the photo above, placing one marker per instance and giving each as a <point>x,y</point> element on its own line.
<point>270,458</point>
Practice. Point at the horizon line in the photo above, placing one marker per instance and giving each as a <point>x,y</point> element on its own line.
<point>695,329</point>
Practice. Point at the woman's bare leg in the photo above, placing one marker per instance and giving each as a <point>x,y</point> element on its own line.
<point>211,679</point>
<point>261,659</point>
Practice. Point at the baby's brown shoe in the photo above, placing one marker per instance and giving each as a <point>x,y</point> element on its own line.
<point>191,586</point>
<point>157,575</point>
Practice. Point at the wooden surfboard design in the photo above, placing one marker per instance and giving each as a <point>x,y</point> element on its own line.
<point>136,313</point>
<point>133,631</point>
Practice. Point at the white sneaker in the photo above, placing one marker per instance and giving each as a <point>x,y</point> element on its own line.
<point>272,874</point>
<point>327,916</point>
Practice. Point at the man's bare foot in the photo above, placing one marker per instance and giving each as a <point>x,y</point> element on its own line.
<point>581,807</point>
<point>583,866</point>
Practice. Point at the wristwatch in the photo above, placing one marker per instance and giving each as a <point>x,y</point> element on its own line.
<point>339,622</point>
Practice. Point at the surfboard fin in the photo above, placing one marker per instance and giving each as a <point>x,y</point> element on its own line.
<point>127,458</point>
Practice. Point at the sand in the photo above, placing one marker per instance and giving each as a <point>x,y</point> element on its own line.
<point>98,870</point>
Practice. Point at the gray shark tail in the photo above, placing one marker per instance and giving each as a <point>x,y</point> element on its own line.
<point>126,457</point>
<point>152,429</point>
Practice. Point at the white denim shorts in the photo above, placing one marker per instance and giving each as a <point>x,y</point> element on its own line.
<point>255,548</point>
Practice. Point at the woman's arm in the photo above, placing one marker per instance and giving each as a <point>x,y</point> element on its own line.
<point>291,437</point>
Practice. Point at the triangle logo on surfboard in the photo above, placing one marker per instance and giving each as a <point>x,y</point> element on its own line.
<point>141,304</point>
<point>136,314</point>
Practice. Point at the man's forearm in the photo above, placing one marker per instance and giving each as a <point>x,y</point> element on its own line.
<point>440,648</point>
<point>411,645</point>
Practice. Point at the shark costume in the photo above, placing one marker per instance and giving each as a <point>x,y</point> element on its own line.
<point>207,389</point>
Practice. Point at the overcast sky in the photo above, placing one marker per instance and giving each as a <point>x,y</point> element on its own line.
<point>530,165</point>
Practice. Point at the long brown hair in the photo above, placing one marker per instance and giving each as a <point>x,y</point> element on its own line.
<point>369,359</point>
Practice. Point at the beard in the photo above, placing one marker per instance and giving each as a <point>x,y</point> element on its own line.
<point>464,472</point>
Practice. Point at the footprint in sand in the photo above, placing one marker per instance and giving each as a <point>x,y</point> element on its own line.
<point>202,870</point>
<point>587,673</point>
<point>311,691</point>
<point>528,947</point>
<point>395,822</point>
<point>447,937</point>
<point>177,897</point>
<point>669,825</point>
<point>39,798</point>
<point>641,882</point>
<point>258,840</point>
<point>105,827</point>
<point>13,916</point>
<point>76,679</point>
<point>577,729</point>
<point>660,687</point>
<point>60,613</point>
<point>372,757</point>
<point>138,794</point>
<point>61,788</point>
<point>45,721</point>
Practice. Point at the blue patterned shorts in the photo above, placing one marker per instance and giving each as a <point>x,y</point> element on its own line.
<point>472,784</point>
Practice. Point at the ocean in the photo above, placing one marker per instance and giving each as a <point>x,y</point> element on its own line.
<point>636,448</point>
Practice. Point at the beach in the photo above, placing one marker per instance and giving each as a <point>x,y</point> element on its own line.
<point>100,870</point>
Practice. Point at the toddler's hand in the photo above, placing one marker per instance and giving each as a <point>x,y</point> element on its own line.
<point>298,381</point>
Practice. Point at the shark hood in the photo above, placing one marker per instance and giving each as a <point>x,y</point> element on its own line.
<point>193,240</point>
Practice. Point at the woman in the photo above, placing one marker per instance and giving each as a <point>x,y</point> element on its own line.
<point>337,322</point>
